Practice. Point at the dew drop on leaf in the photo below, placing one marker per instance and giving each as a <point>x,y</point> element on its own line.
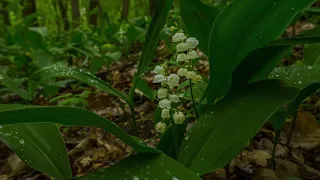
<point>21,141</point>
<point>175,178</point>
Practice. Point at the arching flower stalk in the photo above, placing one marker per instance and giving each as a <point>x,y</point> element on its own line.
<point>185,54</point>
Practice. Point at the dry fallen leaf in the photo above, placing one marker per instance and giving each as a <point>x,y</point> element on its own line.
<point>86,161</point>
<point>265,174</point>
<point>306,132</point>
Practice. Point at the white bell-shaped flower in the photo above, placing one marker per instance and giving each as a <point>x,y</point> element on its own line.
<point>192,42</point>
<point>197,79</point>
<point>165,113</point>
<point>192,55</point>
<point>159,78</point>
<point>182,47</point>
<point>178,117</point>
<point>182,57</point>
<point>165,103</point>
<point>162,93</point>
<point>174,98</point>
<point>173,80</point>
<point>161,127</point>
<point>159,70</point>
<point>191,75</point>
<point>182,72</point>
<point>178,37</point>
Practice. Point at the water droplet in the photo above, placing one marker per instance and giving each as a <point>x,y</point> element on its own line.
<point>198,174</point>
<point>175,178</point>
<point>0,127</point>
<point>260,37</point>
<point>21,141</point>
<point>202,160</point>
<point>187,147</point>
<point>211,112</point>
<point>292,9</point>
<point>274,4</point>
<point>148,166</point>
<point>206,116</point>
<point>241,102</point>
<point>299,82</point>
<point>135,178</point>
<point>276,14</point>
<point>161,164</point>
<point>187,137</point>
<point>127,172</point>
<point>261,27</point>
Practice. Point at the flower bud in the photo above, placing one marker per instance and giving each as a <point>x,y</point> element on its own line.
<point>159,78</point>
<point>161,127</point>
<point>178,37</point>
<point>178,117</point>
<point>192,43</point>
<point>158,70</point>
<point>165,113</point>
<point>162,93</point>
<point>198,78</point>
<point>174,98</point>
<point>182,47</point>
<point>173,80</point>
<point>182,57</point>
<point>165,103</point>
<point>192,55</point>
<point>191,75</point>
<point>182,72</point>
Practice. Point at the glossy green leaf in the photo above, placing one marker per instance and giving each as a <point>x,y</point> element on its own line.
<point>258,64</point>
<point>278,118</point>
<point>143,86</point>
<point>198,19</point>
<point>167,144</point>
<point>312,54</point>
<point>40,145</point>
<point>59,71</point>
<point>144,167</point>
<point>42,59</point>
<point>152,39</point>
<point>299,76</point>
<point>70,116</point>
<point>222,131</point>
<point>198,91</point>
<point>13,86</point>
<point>255,28</point>
<point>29,39</point>
<point>156,26</point>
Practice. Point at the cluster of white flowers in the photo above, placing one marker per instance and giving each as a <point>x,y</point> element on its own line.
<point>186,52</point>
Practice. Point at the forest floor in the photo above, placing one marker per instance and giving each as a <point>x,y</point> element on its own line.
<point>296,155</point>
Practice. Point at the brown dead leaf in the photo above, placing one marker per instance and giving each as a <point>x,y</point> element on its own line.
<point>306,132</point>
<point>85,161</point>
<point>286,168</point>
<point>265,174</point>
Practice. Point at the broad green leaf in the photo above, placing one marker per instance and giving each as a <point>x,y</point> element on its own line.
<point>222,131</point>
<point>156,26</point>
<point>143,166</point>
<point>255,23</point>
<point>304,93</point>
<point>40,145</point>
<point>13,86</point>
<point>42,59</point>
<point>167,144</point>
<point>312,54</point>
<point>198,19</point>
<point>59,71</point>
<point>258,64</point>
<point>151,43</point>
<point>299,76</point>
<point>198,91</point>
<point>68,116</point>
<point>29,39</point>
<point>143,86</point>
<point>278,118</point>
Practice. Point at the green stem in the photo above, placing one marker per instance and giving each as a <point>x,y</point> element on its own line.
<point>276,141</point>
<point>292,127</point>
<point>193,101</point>
<point>133,122</point>
<point>176,142</point>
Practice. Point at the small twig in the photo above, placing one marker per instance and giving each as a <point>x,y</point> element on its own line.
<point>176,143</point>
